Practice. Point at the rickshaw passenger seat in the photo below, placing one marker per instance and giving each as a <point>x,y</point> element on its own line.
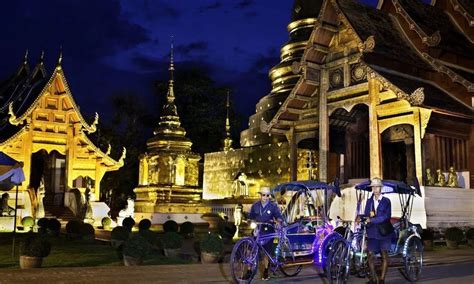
<point>394,220</point>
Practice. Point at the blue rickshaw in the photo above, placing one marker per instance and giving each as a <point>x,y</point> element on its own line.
<point>305,238</point>
<point>350,253</point>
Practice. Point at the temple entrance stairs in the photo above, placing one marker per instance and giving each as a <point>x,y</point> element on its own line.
<point>63,214</point>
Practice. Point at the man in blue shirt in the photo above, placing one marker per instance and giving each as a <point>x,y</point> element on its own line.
<point>266,211</point>
<point>378,211</point>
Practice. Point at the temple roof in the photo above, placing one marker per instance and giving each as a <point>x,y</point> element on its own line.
<point>303,9</point>
<point>431,20</point>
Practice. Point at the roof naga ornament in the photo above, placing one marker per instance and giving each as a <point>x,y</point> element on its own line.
<point>93,127</point>
<point>12,119</point>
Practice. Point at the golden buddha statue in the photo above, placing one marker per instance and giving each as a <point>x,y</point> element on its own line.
<point>429,178</point>
<point>440,179</point>
<point>452,178</point>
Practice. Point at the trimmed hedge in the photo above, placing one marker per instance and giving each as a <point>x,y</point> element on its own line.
<point>170,226</point>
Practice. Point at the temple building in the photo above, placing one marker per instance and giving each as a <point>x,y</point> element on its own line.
<point>169,172</point>
<point>374,92</point>
<point>42,127</point>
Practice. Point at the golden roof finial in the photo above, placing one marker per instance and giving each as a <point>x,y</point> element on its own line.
<point>25,58</point>
<point>42,57</point>
<point>60,59</point>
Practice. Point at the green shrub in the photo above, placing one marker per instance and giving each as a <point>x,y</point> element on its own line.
<point>86,229</point>
<point>27,222</point>
<point>171,240</point>
<point>454,234</point>
<point>54,226</point>
<point>128,223</point>
<point>212,243</point>
<point>144,224</point>
<point>470,234</point>
<point>226,229</point>
<point>137,246</point>
<point>106,222</point>
<point>187,229</point>
<point>43,222</point>
<point>120,233</point>
<point>73,227</point>
<point>427,235</point>
<point>170,226</point>
<point>35,246</point>
<point>150,236</point>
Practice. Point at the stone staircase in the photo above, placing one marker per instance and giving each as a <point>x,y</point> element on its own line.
<point>63,214</point>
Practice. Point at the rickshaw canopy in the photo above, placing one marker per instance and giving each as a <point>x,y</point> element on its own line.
<point>306,185</point>
<point>392,186</point>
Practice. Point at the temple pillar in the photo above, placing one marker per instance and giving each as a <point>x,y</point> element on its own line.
<point>291,137</point>
<point>375,148</point>
<point>417,142</point>
<point>410,158</point>
<point>27,152</point>
<point>70,149</point>
<point>323,127</point>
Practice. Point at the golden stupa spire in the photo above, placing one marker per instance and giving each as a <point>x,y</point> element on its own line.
<point>227,139</point>
<point>170,95</point>
<point>42,57</point>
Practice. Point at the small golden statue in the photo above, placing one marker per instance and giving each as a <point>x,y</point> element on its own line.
<point>440,179</point>
<point>429,178</point>
<point>452,178</point>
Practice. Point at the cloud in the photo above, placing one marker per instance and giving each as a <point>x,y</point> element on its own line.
<point>192,48</point>
<point>213,6</point>
<point>244,4</point>
<point>84,31</point>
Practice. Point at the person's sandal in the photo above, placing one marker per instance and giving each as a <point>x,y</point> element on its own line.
<point>265,276</point>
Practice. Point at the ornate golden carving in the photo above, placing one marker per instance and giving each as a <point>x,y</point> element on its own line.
<point>417,97</point>
<point>12,119</point>
<point>368,45</point>
<point>93,127</point>
<point>124,155</point>
<point>432,40</point>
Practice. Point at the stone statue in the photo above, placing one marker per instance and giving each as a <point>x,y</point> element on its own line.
<point>88,213</point>
<point>440,179</point>
<point>6,210</point>
<point>41,194</point>
<point>128,211</point>
<point>429,178</point>
<point>452,178</point>
<point>238,218</point>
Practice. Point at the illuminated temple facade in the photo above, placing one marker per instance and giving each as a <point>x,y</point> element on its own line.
<point>372,92</point>
<point>41,125</point>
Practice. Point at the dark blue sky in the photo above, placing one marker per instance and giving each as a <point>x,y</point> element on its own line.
<point>111,45</point>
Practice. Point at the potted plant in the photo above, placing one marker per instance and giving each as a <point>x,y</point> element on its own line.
<point>187,230</point>
<point>135,250</point>
<point>453,237</point>
<point>211,246</point>
<point>27,222</point>
<point>73,229</point>
<point>32,251</point>
<point>470,237</point>
<point>54,227</point>
<point>427,236</point>
<point>118,236</point>
<point>106,223</point>
<point>170,226</point>
<point>87,232</point>
<point>212,219</point>
<point>171,243</point>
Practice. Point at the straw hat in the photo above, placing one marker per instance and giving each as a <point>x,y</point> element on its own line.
<point>264,190</point>
<point>376,182</point>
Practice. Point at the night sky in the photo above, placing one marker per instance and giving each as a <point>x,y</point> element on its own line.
<point>111,46</point>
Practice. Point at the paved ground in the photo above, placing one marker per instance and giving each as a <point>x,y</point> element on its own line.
<point>449,266</point>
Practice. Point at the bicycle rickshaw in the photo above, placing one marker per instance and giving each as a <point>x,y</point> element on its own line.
<point>305,237</point>
<point>350,255</point>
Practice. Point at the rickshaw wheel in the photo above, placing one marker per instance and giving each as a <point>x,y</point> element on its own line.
<point>413,259</point>
<point>244,260</point>
<point>338,262</point>
<point>287,256</point>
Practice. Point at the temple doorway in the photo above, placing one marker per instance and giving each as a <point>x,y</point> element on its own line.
<point>398,153</point>
<point>49,171</point>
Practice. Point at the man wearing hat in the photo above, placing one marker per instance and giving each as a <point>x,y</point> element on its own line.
<point>378,211</point>
<point>266,211</point>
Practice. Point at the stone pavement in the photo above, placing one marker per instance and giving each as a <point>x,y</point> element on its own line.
<point>191,273</point>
